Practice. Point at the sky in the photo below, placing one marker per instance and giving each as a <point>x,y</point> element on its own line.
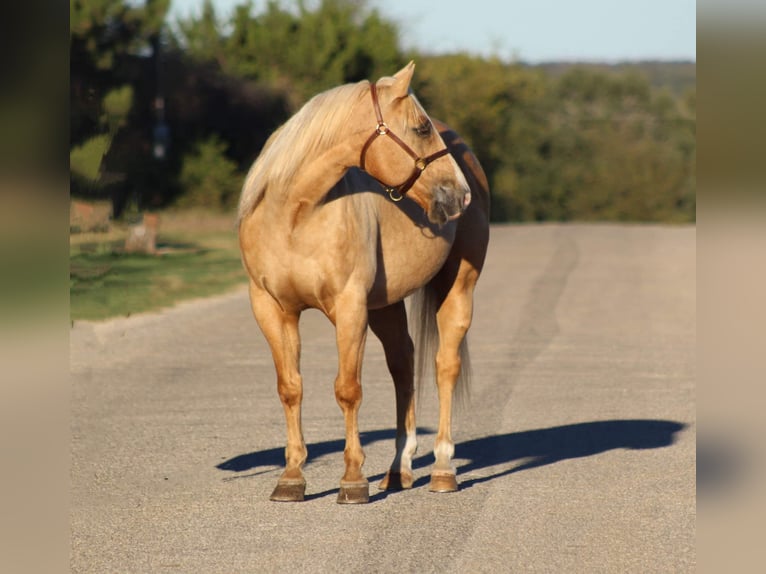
<point>534,31</point>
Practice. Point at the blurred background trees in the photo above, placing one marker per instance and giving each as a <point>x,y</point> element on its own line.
<point>173,113</point>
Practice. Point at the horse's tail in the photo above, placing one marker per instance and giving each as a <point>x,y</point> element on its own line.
<point>425,333</point>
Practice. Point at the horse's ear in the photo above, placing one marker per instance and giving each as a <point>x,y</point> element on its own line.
<point>402,79</point>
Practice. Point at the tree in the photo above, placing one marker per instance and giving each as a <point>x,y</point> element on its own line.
<point>297,48</point>
<point>210,178</point>
<point>111,44</point>
<point>558,142</point>
<point>621,151</point>
<point>495,107</point>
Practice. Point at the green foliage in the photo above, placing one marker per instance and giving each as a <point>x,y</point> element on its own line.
<point>116,105</point>
<point>305,50</point>
<point>202,36</point>
<point>100,31</point>
<point>581,145</point>
<point>495,107</point>
<point>105,38</point>
<point>85,160</point>
<point>558,141</point>
<point>617,150</point>
<point>209,178</point>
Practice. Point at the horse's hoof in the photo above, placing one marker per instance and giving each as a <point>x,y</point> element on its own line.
<point>443,483</point>
<point>396,481</point>
<point>289,491</point>
<point>354,493</point>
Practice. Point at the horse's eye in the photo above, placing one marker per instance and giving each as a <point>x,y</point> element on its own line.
<point>423,130</point>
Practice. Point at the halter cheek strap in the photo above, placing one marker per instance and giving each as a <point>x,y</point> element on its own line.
<point>396,192</point>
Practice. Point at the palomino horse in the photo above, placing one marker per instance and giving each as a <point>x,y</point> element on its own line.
<point>321,225</point>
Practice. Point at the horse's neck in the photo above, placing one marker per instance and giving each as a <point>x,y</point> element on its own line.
<point>318,176</point>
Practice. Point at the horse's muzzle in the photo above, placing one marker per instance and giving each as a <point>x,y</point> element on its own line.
<point>466,203</point>
<point>448,204</point>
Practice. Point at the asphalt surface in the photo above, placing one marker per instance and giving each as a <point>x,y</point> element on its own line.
<point>576,452</point>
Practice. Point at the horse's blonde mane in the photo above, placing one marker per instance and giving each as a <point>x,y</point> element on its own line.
<point>319,125</point>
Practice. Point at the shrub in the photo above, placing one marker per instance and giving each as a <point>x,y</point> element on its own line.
<point>209,179</point>
<point>85,160</point>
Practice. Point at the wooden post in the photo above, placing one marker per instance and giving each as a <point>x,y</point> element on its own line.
<point>142,238</point>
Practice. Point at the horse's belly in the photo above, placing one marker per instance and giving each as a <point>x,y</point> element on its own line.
<point>404,268</point>
<point>346,245</point>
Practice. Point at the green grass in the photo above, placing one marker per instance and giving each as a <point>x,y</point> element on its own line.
<point>104,282</point>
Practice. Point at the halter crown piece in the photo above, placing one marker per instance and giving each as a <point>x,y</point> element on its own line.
<point>396,192</point>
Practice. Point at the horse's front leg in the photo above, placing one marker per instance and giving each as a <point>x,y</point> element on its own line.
<point>350,320</point>
<point>281,331</point>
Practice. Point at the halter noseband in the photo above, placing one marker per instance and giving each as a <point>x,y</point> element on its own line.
<point>396,192</point>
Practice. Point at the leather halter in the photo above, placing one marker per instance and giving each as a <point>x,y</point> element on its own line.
<point>396,192</point>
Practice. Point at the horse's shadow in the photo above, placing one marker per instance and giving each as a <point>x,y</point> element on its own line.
<point>504,454</point>
<point>276,456</point>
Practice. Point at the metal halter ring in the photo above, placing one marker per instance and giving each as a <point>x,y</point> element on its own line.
<point>393,194</point>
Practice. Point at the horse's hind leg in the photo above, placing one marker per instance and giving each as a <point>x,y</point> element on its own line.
<point>390,326</point>
<point>281,331</point>
<point>453,320</point>
<point>350,318</point>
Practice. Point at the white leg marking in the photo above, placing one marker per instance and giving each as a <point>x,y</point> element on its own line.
<point>443,453</point>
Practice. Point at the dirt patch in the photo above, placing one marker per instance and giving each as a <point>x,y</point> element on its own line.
<point>89,217</point>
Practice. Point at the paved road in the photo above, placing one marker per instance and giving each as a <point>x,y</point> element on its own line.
<point>576,452</point>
